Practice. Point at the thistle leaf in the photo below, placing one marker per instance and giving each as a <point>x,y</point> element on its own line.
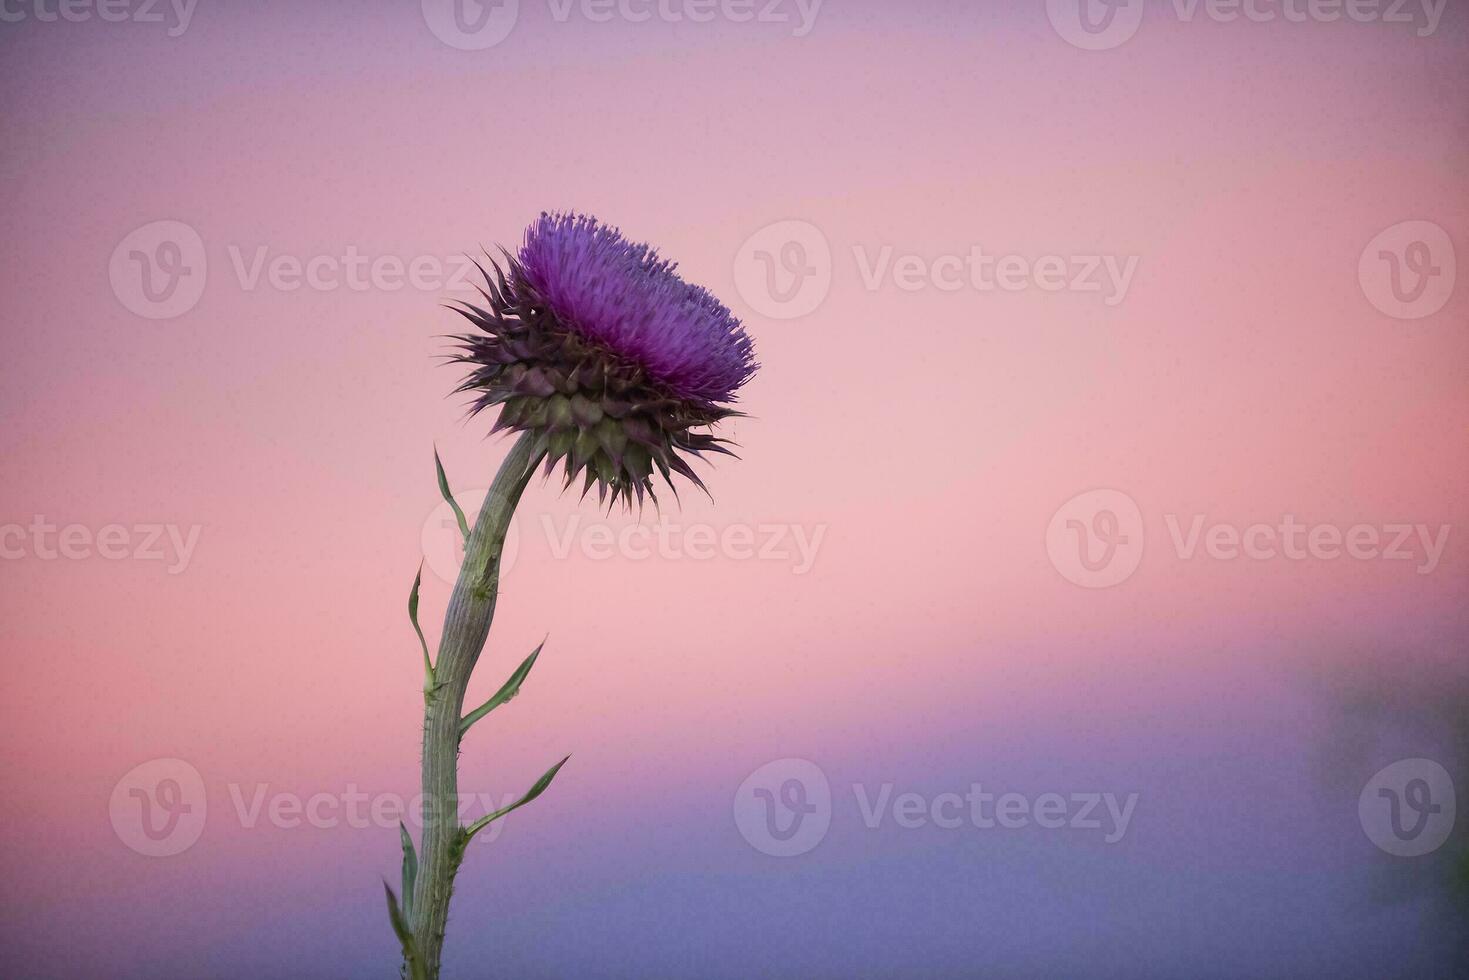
<point>410,870</point>
<point>449,497</point>
<point>507,691</point>
<point>536,790</point>
<point>416,969</point>
<point>428,667</point>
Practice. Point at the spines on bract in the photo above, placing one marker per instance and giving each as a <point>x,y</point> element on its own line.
<point>448,496</point>
<point>609,403</point>
<point>507,691</point>
<point>531,794</point>
<point>428,667</point>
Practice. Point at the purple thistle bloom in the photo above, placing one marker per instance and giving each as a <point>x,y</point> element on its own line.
<point>601,357</point>
<point>622,295</point>
<point>595,346</point>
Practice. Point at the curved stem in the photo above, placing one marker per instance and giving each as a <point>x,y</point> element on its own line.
<point>466,626</point>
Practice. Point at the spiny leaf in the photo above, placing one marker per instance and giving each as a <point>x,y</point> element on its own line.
<point>507,691</point>
<point>410,870</point>
<point>536,790</point>
<point>416,969</point>
<point>444,489</point>
<point>428,667</point>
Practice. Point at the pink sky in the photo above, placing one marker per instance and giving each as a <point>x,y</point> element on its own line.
<point>930,435</point>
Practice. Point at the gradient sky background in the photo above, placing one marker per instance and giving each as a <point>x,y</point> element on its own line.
<point>1244,375</point>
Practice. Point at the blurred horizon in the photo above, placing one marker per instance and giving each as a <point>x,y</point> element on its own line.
<point>1108,443</point>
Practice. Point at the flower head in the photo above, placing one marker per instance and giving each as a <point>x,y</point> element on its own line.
<point>595,345</point>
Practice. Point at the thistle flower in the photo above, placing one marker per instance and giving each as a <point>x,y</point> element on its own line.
<point>596,346</point>
<point>602,357</point>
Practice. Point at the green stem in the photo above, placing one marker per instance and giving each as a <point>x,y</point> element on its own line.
<point>466,626</point>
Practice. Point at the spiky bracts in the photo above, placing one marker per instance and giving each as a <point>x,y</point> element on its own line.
<point>596,346</point>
